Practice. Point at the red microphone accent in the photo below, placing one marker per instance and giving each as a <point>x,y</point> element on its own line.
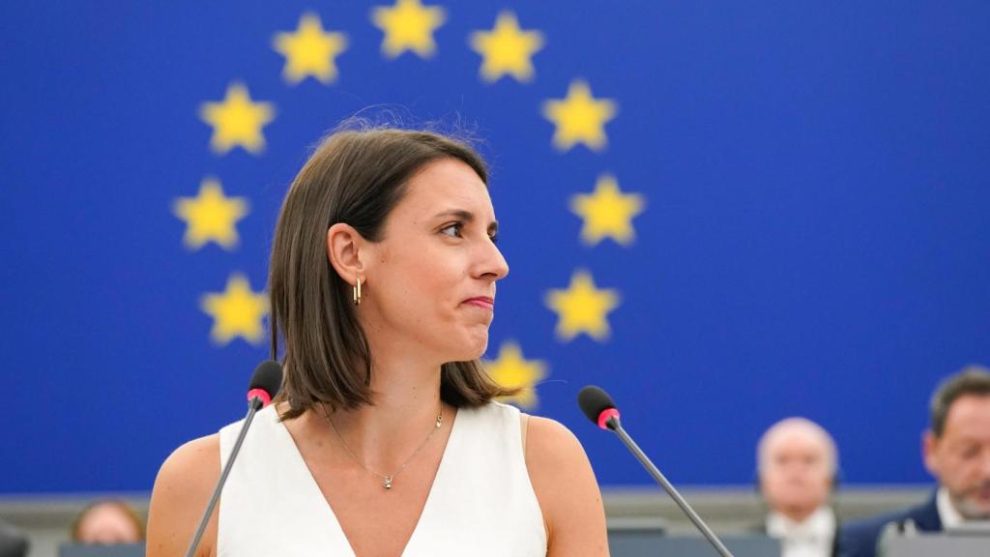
<point>262,394</point>
<point>606,415</point>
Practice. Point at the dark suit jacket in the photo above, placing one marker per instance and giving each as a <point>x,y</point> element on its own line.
<point>859,539</point>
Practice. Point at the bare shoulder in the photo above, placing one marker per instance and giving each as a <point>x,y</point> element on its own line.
<point>181,493</point>
<point>566,489</point>
<point>549,441</point>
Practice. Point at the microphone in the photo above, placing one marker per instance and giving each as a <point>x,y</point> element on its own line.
<point>599,408</point>
<point>265,384</point>
<point>266,381</point>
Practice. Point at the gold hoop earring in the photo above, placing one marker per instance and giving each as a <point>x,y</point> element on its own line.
<point>357,293</point>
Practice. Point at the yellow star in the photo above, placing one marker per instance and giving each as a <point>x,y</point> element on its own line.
<point>238,312</point>
<point>310,51</point>
<point>506,49</point>
<point>237,121</point>
<point>408,26</point>
<point>210,216</point>
<point>607,212</point>
<point>511,370</point>
<point>579,117</point>
<point>582,308</point>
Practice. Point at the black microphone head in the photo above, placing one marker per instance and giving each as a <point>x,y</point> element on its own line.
<point>595,402</point>
<point>267,377</point>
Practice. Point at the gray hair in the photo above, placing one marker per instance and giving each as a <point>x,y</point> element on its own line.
<point>806,425</point>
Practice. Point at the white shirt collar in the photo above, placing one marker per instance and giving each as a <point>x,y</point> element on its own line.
<point>952,519</point>
<point>947,511</point>
<point>811,537</point>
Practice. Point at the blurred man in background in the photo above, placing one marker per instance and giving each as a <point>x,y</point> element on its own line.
<point>797,464</point>
<point>957,452</point>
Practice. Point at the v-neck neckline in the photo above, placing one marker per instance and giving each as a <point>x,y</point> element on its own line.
<point>313,487</point>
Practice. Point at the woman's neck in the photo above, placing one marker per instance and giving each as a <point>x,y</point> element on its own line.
<point>406,402</point>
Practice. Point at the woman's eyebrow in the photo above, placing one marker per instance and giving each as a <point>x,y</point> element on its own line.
<point>461,214</point>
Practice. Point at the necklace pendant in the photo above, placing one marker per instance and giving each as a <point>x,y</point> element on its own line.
<point>388,482</point>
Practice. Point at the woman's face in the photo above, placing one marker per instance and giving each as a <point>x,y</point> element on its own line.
<point>430,282</point>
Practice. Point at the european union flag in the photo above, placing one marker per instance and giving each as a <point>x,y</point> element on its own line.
<point>724,213</point>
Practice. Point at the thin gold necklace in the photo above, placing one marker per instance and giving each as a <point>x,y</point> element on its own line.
<point>386,478</point>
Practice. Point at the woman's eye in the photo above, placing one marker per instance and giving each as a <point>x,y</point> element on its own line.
<point>494,238</point>
<point>452,230</point>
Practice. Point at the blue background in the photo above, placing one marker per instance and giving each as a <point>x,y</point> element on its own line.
<point>815,239</point>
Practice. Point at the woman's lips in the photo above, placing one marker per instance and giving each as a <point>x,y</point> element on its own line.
<point>483,302</point>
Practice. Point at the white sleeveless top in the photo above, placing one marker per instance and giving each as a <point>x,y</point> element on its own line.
<point>481,504</point>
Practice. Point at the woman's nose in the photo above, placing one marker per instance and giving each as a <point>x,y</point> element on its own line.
<point>492,263</point>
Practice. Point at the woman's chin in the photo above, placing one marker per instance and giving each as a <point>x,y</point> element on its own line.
<point>473,349</point>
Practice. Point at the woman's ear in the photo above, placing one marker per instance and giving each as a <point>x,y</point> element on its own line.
<point>344,245</point>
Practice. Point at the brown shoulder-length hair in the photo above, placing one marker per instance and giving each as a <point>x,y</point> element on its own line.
<point>355,177</point>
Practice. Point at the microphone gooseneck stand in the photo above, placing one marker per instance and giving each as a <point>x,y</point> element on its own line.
<point>253,407</point>
<point>614,425</point>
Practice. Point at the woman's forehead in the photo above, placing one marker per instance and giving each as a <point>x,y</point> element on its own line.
<point>446,186</point>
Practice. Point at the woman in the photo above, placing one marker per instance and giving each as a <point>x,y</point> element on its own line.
<point>108,522</point>
<point>385,440</point>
